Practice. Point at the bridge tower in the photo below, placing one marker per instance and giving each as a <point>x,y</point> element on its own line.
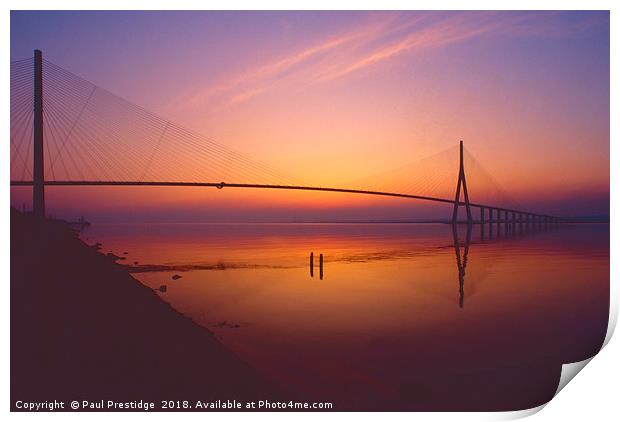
<point>38,170</point>
<point>461,182</point>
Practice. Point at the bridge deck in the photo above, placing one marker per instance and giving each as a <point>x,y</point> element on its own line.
<point>221,185</point>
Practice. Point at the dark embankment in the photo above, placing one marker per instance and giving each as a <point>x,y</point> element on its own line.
<point>83,329</point>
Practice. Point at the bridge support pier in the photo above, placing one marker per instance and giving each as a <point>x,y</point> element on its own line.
<point>499,222</point>
<point>482,215</point>
<point>507,221</point>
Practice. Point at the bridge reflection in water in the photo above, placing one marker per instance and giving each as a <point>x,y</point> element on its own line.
<point>388,307</point>
<point>489,232</point>
<point>511,230</point>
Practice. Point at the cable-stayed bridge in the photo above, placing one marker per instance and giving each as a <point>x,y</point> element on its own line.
<point>67,131</point>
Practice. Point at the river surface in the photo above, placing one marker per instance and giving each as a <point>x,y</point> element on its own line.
<point>400,317</point>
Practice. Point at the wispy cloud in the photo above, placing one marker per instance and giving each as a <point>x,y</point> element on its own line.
<point>246,95</point>
<point>265,74</point>
<point>275,69</point>
<point>245,85</point>
<point>387,38</point>
<point>455,29</point>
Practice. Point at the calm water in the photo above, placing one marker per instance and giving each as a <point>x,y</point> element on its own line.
<point>402,319</point>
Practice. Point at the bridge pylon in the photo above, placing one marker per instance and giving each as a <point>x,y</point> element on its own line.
<point>38,169</point>
<point>461,183</point>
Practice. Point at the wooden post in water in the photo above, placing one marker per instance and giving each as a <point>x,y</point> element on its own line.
<point>321,266</point>
<point>311,264</point>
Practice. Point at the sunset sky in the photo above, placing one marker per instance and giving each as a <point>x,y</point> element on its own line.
<point>335,97</point>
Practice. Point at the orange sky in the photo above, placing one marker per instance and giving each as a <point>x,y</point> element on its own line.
<point>336,97</point>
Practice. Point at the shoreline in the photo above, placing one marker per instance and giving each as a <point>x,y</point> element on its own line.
<point>82,328</point>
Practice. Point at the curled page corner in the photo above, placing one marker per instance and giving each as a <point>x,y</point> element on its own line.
<point>569,370</point>
<point>613,315</point>
<point>518,414</point>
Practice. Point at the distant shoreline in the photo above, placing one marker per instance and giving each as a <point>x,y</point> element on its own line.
<point>596,219</point>
<point>577,220</point>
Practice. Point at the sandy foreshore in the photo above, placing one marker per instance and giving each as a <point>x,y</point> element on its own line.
<point>82,328</point>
